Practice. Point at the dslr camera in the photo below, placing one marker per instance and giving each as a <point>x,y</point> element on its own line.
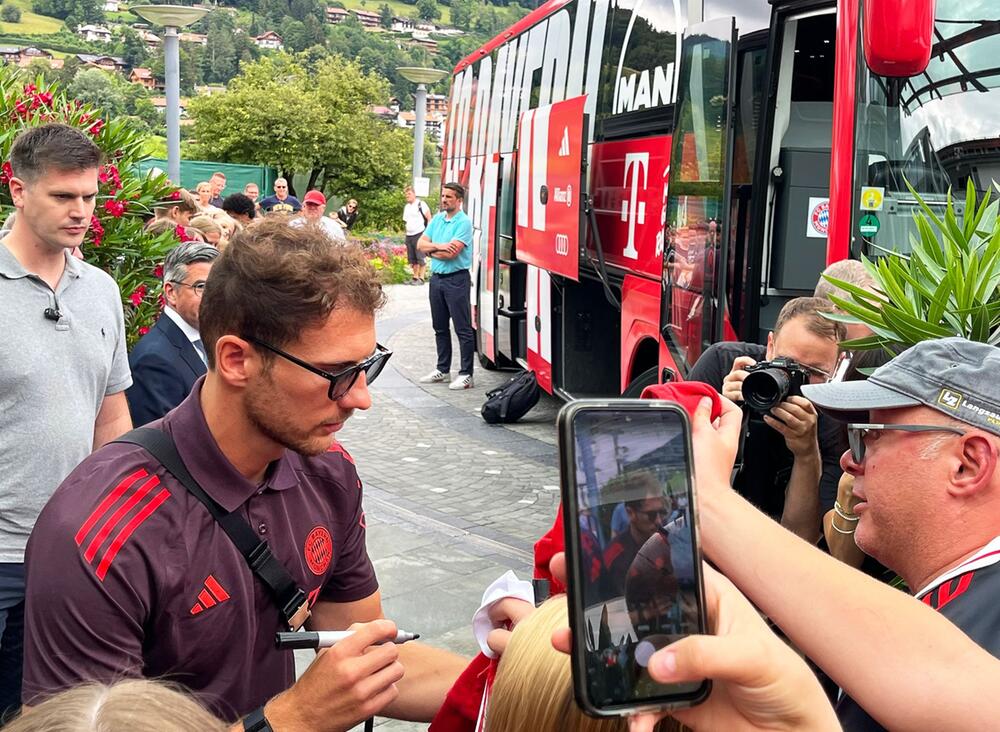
<point>769,383</point>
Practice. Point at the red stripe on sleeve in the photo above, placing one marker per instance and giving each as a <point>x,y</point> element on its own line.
<point>126,532</point>
<point>117,516</point>
<point>216,589</point>
<point>108,501</point>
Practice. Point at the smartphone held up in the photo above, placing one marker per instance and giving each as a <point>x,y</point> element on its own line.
<point>632,553</point>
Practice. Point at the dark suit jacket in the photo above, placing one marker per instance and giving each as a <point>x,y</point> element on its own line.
<point>164,368</point>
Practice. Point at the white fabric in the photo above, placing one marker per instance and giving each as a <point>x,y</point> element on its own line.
<point>331,227</point>
<point>189,332</point>
<point>413,216</point>
<point>506,586</point>
<point>989,554</point>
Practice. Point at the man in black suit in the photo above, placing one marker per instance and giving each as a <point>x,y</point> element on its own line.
<point>170,357</point>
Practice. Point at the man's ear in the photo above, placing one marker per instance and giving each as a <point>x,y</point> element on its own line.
<point>17,191</point>
<point>770,346</point>
<point>235,361</point>
<point>976,462</point>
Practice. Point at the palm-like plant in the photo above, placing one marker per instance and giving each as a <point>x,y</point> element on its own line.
<point>946,286</point>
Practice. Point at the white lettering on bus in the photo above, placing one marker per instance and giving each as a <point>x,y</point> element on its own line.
<point>634,92</point>
<point>634,210</point>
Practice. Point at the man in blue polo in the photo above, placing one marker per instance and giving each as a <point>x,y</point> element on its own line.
<point>447,240</point>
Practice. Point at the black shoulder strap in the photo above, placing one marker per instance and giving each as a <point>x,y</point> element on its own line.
<point>289,597</point>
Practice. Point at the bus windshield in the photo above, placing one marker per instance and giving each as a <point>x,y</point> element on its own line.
<point>936,130</point>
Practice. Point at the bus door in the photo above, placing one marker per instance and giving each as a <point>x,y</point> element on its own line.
<point>549,217</point>
<point>510,295</point>
<point>698,193</point>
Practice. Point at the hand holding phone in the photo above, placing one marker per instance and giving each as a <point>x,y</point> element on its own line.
<point>633,559</point>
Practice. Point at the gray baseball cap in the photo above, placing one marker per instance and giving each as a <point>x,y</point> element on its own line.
<point>958,377</point>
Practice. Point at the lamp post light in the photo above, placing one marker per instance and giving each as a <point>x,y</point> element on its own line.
<point>421,77</point>
<point>172,17</point>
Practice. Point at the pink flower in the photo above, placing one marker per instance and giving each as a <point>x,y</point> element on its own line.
<point>30,88</point>
<point>46,98</point>
<point>115,208</point>
<point>182,234</point>
<point>143,330</point>
<point>136,297</point>
<point>158,272</point>
<point>95,129</point>
<point>97,230</point>
<point>21,108</point>
<point>6,173</point>
<point>175,196</point>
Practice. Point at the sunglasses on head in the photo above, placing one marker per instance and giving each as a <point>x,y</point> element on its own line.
<point>342,381</point>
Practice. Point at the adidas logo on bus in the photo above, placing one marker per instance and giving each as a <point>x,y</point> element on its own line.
<point>564,145</point>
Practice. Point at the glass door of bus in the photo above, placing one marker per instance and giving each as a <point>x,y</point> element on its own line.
<point>697,230</point>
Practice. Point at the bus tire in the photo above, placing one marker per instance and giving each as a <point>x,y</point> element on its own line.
<point>640,382</point>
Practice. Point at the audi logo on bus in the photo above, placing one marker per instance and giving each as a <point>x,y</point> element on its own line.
<point>562,244</point>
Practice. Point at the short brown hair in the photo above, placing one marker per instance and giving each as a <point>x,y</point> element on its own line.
<point>134,705</point>
<point>457,188</point>
<point>185,202</point>
<point>274,280</point>
<point>811,308</point>
<point>52,146</point>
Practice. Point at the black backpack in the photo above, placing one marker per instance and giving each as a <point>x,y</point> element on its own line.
<point>513,400</point>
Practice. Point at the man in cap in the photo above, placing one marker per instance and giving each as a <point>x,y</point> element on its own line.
<point>924,435</point>
<point>313,205</point>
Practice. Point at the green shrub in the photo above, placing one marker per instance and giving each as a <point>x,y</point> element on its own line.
<point>10,13</point>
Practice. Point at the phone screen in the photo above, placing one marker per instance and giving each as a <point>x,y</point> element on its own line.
<point>635,561</point>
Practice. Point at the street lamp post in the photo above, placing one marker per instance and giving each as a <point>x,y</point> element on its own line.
<point>172,17</point>
<point>421,77</point>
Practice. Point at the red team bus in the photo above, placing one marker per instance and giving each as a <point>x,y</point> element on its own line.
<point>648,177</point>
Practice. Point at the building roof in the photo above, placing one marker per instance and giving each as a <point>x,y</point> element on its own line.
<point>92,58</point>
<point>9,50</point>
<point>336,11</point>
<point>366,14</point>
<point>92,29</point>
<point>268,36</point>
<point>142,73</point>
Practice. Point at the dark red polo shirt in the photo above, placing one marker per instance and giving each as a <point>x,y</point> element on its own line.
<point>129,575</point>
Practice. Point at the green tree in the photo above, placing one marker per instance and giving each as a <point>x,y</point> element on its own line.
<point>130,46</point>
<point>385,16</point>
<point>219,62</point>
<point>306,116</point>
<point>461,14</point>
<point>428,10</point>
<point>98,88</point>
<point>10,14</point>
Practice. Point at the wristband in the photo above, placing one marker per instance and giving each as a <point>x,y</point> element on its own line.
<point>833,525</point>
<point>839,510</point>
<point>256,722</point>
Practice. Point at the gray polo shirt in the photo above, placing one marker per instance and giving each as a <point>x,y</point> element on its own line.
<point>53,377</point>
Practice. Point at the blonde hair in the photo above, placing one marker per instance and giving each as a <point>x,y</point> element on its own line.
<point>205,224</point>
<point>534,688</point>
<point>135,705</point>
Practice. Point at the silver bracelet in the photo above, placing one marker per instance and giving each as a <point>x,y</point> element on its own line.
<point>841,531</point>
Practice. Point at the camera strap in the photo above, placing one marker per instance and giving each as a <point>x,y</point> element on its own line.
<point>744,429</point>
<point>292,602</point>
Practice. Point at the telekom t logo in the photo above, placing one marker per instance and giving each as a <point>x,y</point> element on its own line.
<point>634,210</point>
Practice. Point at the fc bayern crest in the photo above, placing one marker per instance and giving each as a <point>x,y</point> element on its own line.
<point>319,550</point>
<point>818,223</point>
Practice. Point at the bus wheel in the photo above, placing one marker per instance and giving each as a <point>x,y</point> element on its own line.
<point>640,382</point>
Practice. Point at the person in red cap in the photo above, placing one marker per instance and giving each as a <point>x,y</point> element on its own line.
<point>313,206</point>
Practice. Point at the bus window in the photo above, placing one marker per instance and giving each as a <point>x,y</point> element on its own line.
<point>935,131</point>
<point>751,15</point>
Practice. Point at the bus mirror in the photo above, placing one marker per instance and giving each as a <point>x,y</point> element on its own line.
<point>898,35</point>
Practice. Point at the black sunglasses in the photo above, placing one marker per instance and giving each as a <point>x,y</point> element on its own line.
<point>341,381</point>
<point>856,434</point>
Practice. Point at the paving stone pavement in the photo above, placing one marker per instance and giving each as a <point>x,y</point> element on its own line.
<point>451,502</point>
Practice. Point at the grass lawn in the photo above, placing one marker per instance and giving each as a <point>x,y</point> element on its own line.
<point>30,22</point>
<point>398,8</point>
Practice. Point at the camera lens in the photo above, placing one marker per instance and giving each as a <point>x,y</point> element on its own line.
<point>765,389</point>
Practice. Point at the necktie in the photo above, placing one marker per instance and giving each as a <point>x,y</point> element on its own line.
<point>200,348</point>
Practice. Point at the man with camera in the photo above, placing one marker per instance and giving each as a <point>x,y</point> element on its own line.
<point>790,456</point>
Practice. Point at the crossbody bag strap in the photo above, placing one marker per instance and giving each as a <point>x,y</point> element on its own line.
<point>291,600</point>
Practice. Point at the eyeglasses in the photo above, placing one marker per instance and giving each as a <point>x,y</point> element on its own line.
<point>856,434</point>
<point>656,513</point>
<point>813,371</point>
<point>198,287</point>
<point>341,381</point>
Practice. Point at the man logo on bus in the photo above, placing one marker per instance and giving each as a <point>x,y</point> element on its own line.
<point>634,210</point>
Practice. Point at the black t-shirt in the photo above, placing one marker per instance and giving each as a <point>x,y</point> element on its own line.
<point>347,217</point>
<point>970,602</point>
<point>767,461</point>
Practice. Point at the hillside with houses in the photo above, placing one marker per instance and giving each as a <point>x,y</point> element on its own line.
<point>61,39</point>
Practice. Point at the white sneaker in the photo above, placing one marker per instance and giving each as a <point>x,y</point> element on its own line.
<point>463,381</point>
<point>434,377</point>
